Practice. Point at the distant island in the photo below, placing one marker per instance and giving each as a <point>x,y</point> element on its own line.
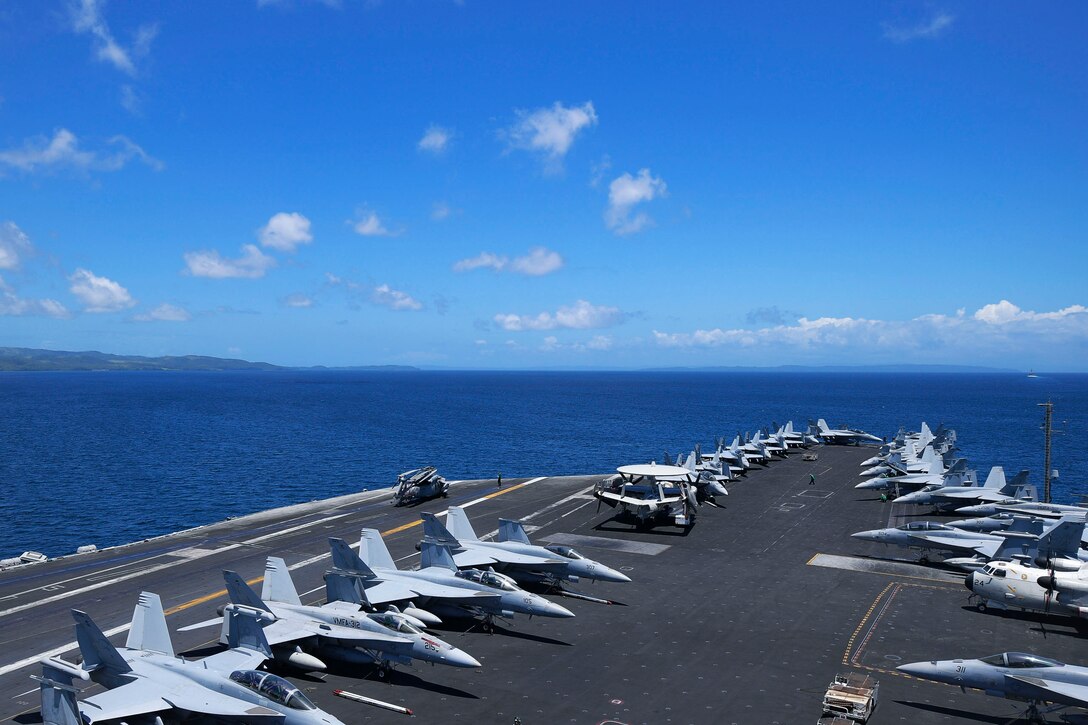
<point>902,368</point>
<point>15,359</point>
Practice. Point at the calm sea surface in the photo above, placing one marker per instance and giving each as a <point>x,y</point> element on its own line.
<point>107,458</point>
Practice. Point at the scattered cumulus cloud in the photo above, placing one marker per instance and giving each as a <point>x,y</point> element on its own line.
<point>925,30</point>
<point>99,294</point>
<point>435,140</point>
<point>14,245</point>
<point>550,131</point>
<point>539,261</point>
<point>208,263</point>
<point>598,343</point>
<point>1000,327</point>
<point>580,316</point>
<point>284,232</point>
<point>86,19</point>
<point>369,225</point>
<point>63,151</point>
<point>624,194</point>
<point>770,316</point>
<point>298,300</point>
<point>386,296</point>
<point>12,304</point>
<point>164,313</point>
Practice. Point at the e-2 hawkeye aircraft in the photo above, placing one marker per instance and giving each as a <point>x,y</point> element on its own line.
<point>649,494</point>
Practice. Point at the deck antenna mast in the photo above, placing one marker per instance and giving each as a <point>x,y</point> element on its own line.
<point>1048,414</point>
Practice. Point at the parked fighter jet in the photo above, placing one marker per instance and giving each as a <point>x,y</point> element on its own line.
<point>931,536</point>
<point>1056,547</point>
<point>650,494</point>
<point>708,475</point>
<point>438,586</point>
<point>1029,508</point>
<point>1015,675</point>
<point>419,484</point>
<point>512,553</point>
<point>146,681</point>
<point>993,489</point>
<point>843,436</point>
<point>337,630</point>
<point>956,475</point>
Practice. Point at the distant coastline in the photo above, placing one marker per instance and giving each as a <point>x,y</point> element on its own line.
<point>23,359</point>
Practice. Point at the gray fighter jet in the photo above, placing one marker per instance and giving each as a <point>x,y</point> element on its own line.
<point>930,536</point>
<point>299,634</point>
<point>1014,675</point>
<point>993,489</point>
<point>842,436</point>
<point>438,586</point>
<point>1030,508</point>
<point>419,484</point>
<point>146,681</point>
<point>512,553</point>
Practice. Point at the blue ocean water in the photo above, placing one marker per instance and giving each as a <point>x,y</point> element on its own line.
<point>108,458</point>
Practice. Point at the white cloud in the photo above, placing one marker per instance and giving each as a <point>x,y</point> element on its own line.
<point>394,299</point>
<point>932,28</point>
<point>87,18</point>
<point>371,226</point>
<point>63,151</point>
<point>285,232</point>
<point>580,316</point>
<point>440,210</point>
<point>624,193</point>
<point>550,131</point>
<point>252,264</point>
<point>1000,328</point>
<point>130,100</point>
<point>14,244</point>
<point>165,313</point>
<point>600,342</point>
<point>12,304</point>
<point>99,294</point>
<point>298,300</point>
<point>539,261</point>
<point>435,140</point>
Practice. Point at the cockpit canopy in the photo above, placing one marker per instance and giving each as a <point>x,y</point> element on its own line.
<point>274,688</point>
<point>395,623</point>
<point>924,526</point>
<point>489,579</point>
<point>992,570</point>
<point>1020,660</point>
<point>564,551</point>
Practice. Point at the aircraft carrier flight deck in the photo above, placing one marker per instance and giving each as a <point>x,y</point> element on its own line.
<point>744,619</point>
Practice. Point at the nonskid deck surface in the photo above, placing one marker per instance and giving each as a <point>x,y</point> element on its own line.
<point>744,620</point>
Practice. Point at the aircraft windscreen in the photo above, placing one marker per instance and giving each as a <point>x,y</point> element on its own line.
<point>498,581</point>
<point>565,551</point>
<point>1024,660</point>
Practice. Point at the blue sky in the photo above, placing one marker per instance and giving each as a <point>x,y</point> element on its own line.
<point>506,185</point>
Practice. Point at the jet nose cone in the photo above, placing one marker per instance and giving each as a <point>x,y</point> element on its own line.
<point>606,574</point>
<point>873,535</point>
<point>460,658</point>
<point>925,670</point>
<point>551,609</point>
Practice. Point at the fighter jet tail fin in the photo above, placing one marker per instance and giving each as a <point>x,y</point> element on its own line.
<point>244,631</point>
<point>821,425</point>
<point>241,593</point>
<point>278,585</point>
<point>58,695</point>
<point>345,559</point>
<point>458,524</point>
<point>433,529</point>
<point>148,630</point>
<point>995,479</point>
<point>96,650</point>
<point>373,551</point>
<point>512,531</point>
<point>1062,538</point>
<point>340,586</point>
<point>436,554</point>
<point>1019,483</point>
